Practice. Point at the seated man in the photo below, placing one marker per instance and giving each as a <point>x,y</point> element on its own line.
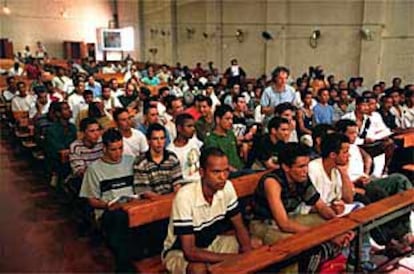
<point>272,143</point>
<point>10,91</point>
<point>134,140</point>
<point>324,113</point>
<point>106,179</point>
<point>85,151</point>
<point>287,110</point>
<point>205,124</point>
<point>42,104</point>
<point>379,133</point>
<point>58,137</point>
<point>329,175</point>
<point>187,147</point>
<point>157,171</point>
<point>279,197</point>
<point>224,138</point>
<point>174,107</point>
<point>318,133</point>
<point>193,239</point>
<point>23,101</point>
<point>371,190</point>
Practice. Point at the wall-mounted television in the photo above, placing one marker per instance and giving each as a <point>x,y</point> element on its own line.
<point>116,39</point>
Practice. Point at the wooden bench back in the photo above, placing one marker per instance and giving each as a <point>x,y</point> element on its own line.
<point>144,211</point>
<point>407,138</point>
<point>108,76</point>
<point>6,63</point>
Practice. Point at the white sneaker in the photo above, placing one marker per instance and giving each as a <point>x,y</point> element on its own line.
<point>53,181</point>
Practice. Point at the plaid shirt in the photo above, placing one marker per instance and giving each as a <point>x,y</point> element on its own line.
<point>159,178</point>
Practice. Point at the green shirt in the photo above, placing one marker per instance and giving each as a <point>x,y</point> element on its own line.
<point>57,138</point>
<point>228,144</point>
<point>203,128</point>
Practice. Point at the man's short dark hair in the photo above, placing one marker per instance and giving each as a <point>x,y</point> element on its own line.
<point>39,89</point>
<point>59,106</point>
<point>182,118</point>
<point>206,152</point>
<point>111,135</point>
<point>291,152</point>
<point>148,106</point>
<point>145,91</point>
<point>320,130</point>
<point>322,90</point>
<point>221,111</point>
<point>361,100</point>
<point>155,127</point>
<point>210,85</point>
<point>275,123</point>
<point>201,98</point>
<point>278,70</point>
<point>85,122</point>
<point>9,79</point>
<point>236,98</point>
<point>117,112</point>
<point>87,92</point>
<point>306,93</point>
<point>332,143</point>
<point>279,109</point>
<point>343,124</point>
<point>162,89</point>
<point>169,99</point>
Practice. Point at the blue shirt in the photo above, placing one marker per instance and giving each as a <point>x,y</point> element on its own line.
<point>151,81</point>
<point>323,114</point>
<point>272,98</point>
<point>96,88</point>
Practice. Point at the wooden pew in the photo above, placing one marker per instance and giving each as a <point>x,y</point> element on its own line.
<point>144,212</point>
<point>257,260</point>
<point>6,63</point>
<point>407,138</point>
<point>106,77</point>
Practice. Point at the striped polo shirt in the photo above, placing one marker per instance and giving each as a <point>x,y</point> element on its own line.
<point>159,178</point>
<point>192,214</point>
<point>81,156</point>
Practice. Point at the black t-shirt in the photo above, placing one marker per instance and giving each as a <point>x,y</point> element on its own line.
<point>292,195</point>
<point>266,149</point>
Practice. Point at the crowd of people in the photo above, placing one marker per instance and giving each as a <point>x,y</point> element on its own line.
<point>327,142</point>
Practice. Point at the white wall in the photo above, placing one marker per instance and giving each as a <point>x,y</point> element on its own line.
<point>45,20</point>
<point>341,49</point>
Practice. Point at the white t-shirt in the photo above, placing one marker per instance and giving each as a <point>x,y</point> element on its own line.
<point>75,102</point>
<point>330,189</point>
<point>356,163</point>
<point>189,156</point>
<point>136,144</point>
<point>377,130</point>
<point>63,83</point>
<point>44,110</point>
<point>111,103</point>
<point>23,103</point>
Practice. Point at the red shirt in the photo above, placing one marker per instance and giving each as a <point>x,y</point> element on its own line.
<point>193,112</point>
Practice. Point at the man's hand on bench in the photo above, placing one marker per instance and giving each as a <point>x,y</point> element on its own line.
<point>344,239</point>
<point>255,242</point>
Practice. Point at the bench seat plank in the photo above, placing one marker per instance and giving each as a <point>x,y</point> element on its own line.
<point>383,207</point>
